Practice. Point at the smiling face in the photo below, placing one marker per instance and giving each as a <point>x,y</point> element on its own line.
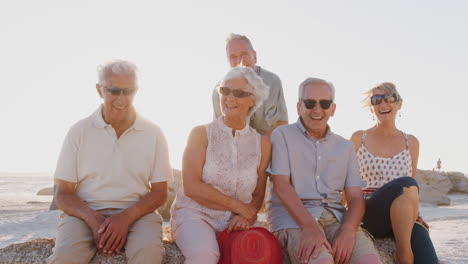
<point>315,120</point>
<point>240,53</point>
<point>385,111</point>
<point>117,108</point>
<point>235,107</point>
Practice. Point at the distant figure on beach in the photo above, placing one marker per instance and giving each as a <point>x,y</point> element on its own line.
<point>224,175</point>
<point>111,177</point>
<point>273,112</point>
<point>388,161</point>
<point>311,167</point>
<point>439,164</point>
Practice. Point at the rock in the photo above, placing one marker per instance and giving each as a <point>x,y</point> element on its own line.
<point>459,182</point>
<point>433,187</point>
<point>173,188</point>
<point>46,191</point>
<point>36,251</point>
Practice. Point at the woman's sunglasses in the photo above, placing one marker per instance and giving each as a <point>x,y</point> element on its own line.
<point>324,104</point>
<point>377,99</point>
<point>236,92</point>
<point>118,91</point>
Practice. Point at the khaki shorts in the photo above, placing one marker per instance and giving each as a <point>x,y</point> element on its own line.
<point>290,240</point>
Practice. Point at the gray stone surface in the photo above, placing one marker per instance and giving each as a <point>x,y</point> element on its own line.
<point>433,187</point>
<point>459,182</point>
<point>36,251</point>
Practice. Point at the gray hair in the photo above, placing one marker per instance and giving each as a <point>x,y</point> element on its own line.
<point>312,80</point>
<point>259,89</point>
<point>116,67</point>
<point>234,36</point>
<point>387,87</point>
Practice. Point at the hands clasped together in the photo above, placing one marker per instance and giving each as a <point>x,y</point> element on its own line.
<point>110,234</point>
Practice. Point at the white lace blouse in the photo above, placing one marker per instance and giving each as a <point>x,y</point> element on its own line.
<point>231,167</point>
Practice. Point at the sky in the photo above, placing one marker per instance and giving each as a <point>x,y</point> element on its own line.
<point>49,52</point>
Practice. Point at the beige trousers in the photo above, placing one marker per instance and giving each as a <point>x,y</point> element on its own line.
<point>290,240</point>
<point>75,242</point>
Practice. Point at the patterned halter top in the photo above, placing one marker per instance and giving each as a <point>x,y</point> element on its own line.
<point>377,171</point>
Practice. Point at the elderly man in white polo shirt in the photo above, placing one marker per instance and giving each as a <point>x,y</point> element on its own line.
<point>111,177</point>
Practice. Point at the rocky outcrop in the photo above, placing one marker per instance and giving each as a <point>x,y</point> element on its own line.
<point>459,182</point>
<point>433,187</point>
<point>37,251</point>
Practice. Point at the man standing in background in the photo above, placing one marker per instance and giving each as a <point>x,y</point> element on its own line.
<point>273,112</point>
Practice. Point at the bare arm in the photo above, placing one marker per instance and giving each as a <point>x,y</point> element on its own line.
<point>312,238</point>
<point>71,204</point>
<point>414,152</point>
<point>344,240</point>
<point>192,168</point>
<point>259,193</point>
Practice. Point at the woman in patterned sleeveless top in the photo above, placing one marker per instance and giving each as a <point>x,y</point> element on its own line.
<point>224,172</point>
<point>388,160</point>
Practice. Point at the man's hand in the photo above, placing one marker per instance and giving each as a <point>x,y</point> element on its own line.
<point>238,223</point>
<point>94,222</point>
<point>113,232</point>
<point>343,244</point>
<point>312,240</point>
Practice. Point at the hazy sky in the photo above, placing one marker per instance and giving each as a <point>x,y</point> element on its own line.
<point>49,51</point>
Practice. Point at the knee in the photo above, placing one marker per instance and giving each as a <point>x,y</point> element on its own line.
<point>201,255</point>
<point>149,252</point>
<point>408,182</point>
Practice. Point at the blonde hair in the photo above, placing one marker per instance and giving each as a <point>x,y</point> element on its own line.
<point>388,88</point>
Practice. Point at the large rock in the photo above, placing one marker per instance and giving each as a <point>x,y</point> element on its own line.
<point>459,182</point>
<point>433,187</point>
<point>36,251</point>
<point>173,188</point>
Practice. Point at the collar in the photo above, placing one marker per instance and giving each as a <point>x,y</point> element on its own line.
<point>227,129</point>
<point>99,122</point>
<point>304,131</point>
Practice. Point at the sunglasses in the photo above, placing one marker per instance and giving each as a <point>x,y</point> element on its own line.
<point>118,91</point>
<point>324,104</point>
<point>389,98</point>
<point>236,92</point>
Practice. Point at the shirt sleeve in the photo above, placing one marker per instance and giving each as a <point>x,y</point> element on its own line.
<point>162,170</point>
<point>67,163</point>
<point>275,106</point>
<point>216,107</point>
<point>353,176</point>
<point>279,164</point>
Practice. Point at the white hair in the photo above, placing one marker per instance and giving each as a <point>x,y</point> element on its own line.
<point>259,89</point>
<point>116,67</point>
<point>312,80</point>
<point>234,36</point>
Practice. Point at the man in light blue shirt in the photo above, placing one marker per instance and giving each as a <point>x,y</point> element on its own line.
<point>311,167</point>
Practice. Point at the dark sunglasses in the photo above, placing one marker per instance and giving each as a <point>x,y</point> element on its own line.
<point>389,98</point>
<point>324,104</point>
<point>118,91</point>
<point>236,92</point>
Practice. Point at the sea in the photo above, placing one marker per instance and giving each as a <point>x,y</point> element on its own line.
<point>24,216</point>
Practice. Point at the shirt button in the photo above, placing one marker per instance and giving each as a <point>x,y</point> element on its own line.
<point>319,157</point>
<point>318,176</point>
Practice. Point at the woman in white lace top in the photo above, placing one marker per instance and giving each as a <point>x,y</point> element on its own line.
<point>223,171</point>
<point>388,160</point>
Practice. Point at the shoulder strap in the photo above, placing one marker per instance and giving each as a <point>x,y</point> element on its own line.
<point>406,140</point>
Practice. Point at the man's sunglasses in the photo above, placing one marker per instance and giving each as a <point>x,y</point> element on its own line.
<point>389,98</point>
<point>236,92</point>
<point>118,91</point>
<point>324,104</point>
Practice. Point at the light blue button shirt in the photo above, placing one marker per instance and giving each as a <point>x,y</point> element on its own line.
<point>318,169</point>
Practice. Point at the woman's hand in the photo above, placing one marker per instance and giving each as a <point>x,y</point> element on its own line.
<point>247,211</point>
<point>422,222</point>
<point>238,223</point>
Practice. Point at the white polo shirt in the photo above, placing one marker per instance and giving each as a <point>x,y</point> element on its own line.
<point>113,172</point>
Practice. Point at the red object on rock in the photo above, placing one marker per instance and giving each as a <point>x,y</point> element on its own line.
<point>254,246</point>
